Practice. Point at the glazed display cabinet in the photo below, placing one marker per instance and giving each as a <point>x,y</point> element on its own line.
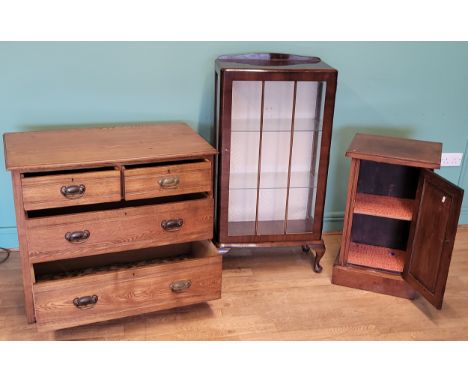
<point>273,115</point>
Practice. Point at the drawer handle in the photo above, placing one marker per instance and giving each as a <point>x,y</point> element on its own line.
<point>85,302</point>
<point>169,182</point>
<point>180,286</point>
<point>73,191</point>
<point>172,224</point>
<point>77,236</point>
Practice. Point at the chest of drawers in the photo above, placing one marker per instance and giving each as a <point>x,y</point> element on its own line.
<point>113,221</point>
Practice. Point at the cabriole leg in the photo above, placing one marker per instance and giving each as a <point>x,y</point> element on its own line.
<point>317,249</point>
<point>319,252</point>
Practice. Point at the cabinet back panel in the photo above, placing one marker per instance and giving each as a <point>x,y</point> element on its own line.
<point>388,179</point>
<point>378,231</point>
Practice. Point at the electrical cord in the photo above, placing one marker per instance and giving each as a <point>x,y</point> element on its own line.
<point>7,254</point>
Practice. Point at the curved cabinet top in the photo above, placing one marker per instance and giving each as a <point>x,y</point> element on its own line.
<point>270,62</point>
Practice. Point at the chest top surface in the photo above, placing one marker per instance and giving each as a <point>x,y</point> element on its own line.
<point>97,146</point>
<point>402,151</point>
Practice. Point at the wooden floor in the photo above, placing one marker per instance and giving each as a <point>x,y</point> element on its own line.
<point>271,294</point>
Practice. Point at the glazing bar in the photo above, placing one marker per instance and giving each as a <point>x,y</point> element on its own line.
<point>259,156</point>
<point>291,142</point>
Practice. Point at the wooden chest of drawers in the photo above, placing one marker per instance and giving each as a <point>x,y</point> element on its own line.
<point>113,221</point>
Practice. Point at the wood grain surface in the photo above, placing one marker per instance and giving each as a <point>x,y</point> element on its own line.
<point>395,150</point>
<point>129,291</point>
<point>141,183</point>
<point>119,229</point>
<point>434,235</point>
<point>45,191</point>
<point>271,294</point>
<point>28,273</point>
<point>98,146</point>
<point>374,281</point>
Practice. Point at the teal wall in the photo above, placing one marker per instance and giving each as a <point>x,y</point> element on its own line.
<point>416,90</point>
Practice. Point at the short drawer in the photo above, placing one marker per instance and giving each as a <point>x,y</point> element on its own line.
<point>130,290</point>
<point>71,189</point>
<point>90,233</point>
<point>176,179</point>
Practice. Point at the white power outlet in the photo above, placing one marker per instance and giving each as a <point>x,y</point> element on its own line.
<point>451,159</point>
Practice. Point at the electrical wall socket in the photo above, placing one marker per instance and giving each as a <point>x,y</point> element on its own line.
<point>451,159</point>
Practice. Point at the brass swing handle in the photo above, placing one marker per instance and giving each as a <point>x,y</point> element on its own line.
<point>73,191</point>
<point>85,302</point>
<point>77,236</point>
<point>172,224</point>
<point>169,182</point>
<point>180,285</point>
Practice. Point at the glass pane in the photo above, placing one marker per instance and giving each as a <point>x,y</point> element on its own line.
<point>275,159</point>
<point>276,144</point>
<point>246,103</point>
<point>275,140</point>
<point>278,106</point>
<point>244,160</point>
<point>305,156</point>
<point>306,105</point>
<point>242,208</point>
<point>245,136</point>
<point>271,211</point>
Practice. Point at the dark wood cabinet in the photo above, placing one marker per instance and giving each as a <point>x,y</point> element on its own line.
<point>273,117</point>
<point>401,219</point>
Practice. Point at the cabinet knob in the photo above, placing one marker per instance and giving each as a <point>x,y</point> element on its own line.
<point>73,191</point>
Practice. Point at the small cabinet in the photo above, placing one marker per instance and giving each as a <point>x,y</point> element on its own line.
<point>274,116</point>
<point>401,219</point>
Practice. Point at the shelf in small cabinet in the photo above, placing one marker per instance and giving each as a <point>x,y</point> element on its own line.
<point>376,257</point>
<point>384,206</point>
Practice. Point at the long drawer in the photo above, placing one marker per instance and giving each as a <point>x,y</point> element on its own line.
<point>71,189</point>
<point>124,292</point>
<point>91,233</point>
<point>177,179</point>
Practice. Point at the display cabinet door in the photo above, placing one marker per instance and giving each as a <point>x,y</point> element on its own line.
<point>427,268</point>
<point>276,130</point>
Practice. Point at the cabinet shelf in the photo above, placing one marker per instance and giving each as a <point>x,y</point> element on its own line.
<point>270,180</point>
<point>376,257</point>
<point>270,125</point>
<point>269,227</point>
<point>272,188</point>
<point>384,206</point>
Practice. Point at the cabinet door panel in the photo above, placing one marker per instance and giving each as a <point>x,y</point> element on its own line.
<point>434,235</point>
